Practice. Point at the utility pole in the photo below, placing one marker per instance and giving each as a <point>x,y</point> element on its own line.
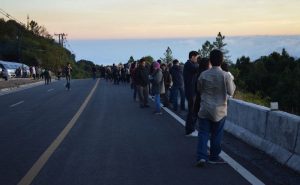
<point>27,22</point>
<point>61,38</point>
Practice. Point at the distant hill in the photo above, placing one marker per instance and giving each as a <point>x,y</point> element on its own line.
<point>35,47</point>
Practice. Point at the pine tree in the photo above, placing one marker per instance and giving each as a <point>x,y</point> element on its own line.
<point>207,47</point>
<point>220,44</point>
<point>168,56</point>
<point>34,27</point>
<point>131,60</point>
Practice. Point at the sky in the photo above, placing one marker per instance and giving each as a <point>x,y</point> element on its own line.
<point>123,19</point>
<point>110,31</point>
<point>118,51</point>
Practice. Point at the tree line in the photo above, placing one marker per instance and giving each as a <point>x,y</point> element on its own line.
<point>272,78</point>
<point>34,46</point>
<point>275,77</point>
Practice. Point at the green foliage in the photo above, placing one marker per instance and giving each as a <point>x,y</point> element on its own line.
<point>83,69</point>
<point>149,60</point>
<point>34,27</point>
<point>35,46</point>
<point>220,44</point>
<point>275,78</point>
<point>207,47</point>
<point>253,98</point>
<point>168,56</point>
<point>131,60</point>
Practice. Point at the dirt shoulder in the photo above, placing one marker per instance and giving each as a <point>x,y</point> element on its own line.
<point>16,82</point>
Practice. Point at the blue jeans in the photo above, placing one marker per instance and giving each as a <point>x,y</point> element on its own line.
<point>157,102</point>
<point>215,130</point>
<point>174,97</point>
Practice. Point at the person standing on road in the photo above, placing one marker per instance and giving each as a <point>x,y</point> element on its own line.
<point>157,86</point>
<point>33,72</point>
<point>177,77</point>
<point>204,65</point>
<point>168,83</point>
<point>47,76</point>
<point>116,74</point>
<point>214,85</point>
<point>190,72</point>
<point>68,70</point>
<point>142,81</point>
<point>133,79</point>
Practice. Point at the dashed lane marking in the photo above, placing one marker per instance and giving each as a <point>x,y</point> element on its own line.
<point>16,104</point>
<point>39,164</point>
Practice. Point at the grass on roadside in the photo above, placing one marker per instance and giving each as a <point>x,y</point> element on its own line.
<point>252,98</point>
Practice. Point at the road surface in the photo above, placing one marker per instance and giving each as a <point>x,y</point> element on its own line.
<point>109,140</point>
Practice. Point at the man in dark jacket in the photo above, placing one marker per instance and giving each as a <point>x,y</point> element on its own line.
<point>190,71</point>
<point>177,77</point>
<point>142,81</point>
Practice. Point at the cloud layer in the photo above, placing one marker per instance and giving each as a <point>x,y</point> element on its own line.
<point>116,51</point>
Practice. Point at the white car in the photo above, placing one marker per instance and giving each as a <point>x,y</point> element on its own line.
<point>9,68</point>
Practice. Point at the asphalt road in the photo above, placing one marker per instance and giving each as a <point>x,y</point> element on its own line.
<point>113,142</point>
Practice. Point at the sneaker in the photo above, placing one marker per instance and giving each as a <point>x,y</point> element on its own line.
<point>200,163</point>
<point>158,113</point>
<point>218,161</point>
<point>191,134</point>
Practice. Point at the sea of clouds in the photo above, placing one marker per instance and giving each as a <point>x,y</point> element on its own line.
<point>107,52</point>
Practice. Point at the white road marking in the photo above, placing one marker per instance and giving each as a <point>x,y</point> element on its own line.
<point>181,121</point>
<point>235,165</point>
<point>50,90</point>
<point>16,104</point>
<point>39,164</point>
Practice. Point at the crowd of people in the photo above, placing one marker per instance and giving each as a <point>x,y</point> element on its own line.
<point>117,73</point>
<point>204,83</point>
<point>33,72</point>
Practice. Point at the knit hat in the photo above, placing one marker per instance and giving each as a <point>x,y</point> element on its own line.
<point>156,65</point>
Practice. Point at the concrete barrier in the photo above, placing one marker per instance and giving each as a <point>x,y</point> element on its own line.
<point>282,129</point>
<point>294,162</point>
<point>249,116</point>
<point>275,132</point>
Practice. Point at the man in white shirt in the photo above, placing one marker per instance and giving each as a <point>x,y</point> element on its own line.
<point>214,85</point>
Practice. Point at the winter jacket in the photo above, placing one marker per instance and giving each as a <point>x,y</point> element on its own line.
<point>190,73</point>
<point>177,76</point>
<point>142,76</point>
<point>167,79</point>
<point>158,82</point>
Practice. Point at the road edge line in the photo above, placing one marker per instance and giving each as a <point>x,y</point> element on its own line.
<point>230,161</point>
<point>39,164</point>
